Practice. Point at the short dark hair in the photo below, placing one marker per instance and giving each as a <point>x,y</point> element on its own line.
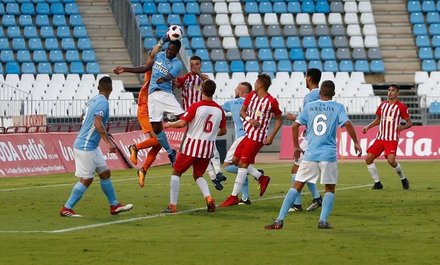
<point>248,86</point>
<point>314,74</point>
<point>327,88</point>
<point>195,57</point>
<point>176,43</point>
<point>105,83</point>
<point>265,80</point>
<point>208,88</point>
<point>396,86</point>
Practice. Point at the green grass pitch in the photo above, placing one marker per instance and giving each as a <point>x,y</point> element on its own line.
<point>389,226</point>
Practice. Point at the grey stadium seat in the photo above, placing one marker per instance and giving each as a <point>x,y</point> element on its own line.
<point>341,42</point>
<point>290,30</point>
<point>206,8</point>
<point>374,53</point>
<point>343,54</point>
<point>274,30</point>
<point>258,30</point>
<point>213,43</point>
<point>338,30</point>
<point>359,53</point>
<point>306,30</point>
<point>206,19</point>
<point>233,54</point>
<point>217,55</point>
<point>337,7</point>
<point>209,31</point>
<point>248,55</point>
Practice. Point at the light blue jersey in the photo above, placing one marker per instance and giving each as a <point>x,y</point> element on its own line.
<point>161,67</point>
<point>88,138</point>
<point>313,95</point>
<point>322,119</point>
<point>234,107</point>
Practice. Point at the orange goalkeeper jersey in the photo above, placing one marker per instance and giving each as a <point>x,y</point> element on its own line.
<point>142,112</point>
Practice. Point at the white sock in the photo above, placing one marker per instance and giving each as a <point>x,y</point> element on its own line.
<point>254,172</point>
<point>203,186</point>
<point>373,172</point>
<point>399,171</point>
<point>174,189</point>
<point>215,161</point>
<point>211,171</point>
<point>238,184</point>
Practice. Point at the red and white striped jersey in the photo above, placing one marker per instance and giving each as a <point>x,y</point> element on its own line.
<point>262,110</point>
<point>204,119</point>
<point>390,116</point>
<point>191,85</point>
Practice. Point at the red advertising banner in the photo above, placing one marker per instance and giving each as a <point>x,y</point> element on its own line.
<point>418,142</point>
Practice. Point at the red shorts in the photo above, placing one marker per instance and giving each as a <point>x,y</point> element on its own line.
<point>247,150</point>
<point>379,146</point>
<point>183,162</point>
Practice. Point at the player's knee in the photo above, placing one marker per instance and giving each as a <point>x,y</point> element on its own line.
<point>86,182</point>
<point>105,174</point>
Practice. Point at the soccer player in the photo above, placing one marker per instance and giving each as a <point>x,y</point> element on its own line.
<point>234,107</point>
<point>257,111</point>
<point>205,120</point>
<point>190,84</point>
<point>322,117</point>
<point>388,116</point>
<point>89,158</point>
<point>313,77</point>
<point>164,66</point>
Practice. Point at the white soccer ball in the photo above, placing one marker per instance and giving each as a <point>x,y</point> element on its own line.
<point>175,32</point>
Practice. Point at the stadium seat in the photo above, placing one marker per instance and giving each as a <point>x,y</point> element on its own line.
<point>328,54</point>
<point>322,30</point>
<point>217,55</point>
<point>13,9</point>
<point>88,56</point>
<point>285,66</point>
<point>176,8</point>
<point>286,19</point>
<point>149,43</point>
<point>44,68</point>
<point>8,20</point>
<point>206,19</point>
<point>277,42</point>
<point>214,43</point>
<point>193,8</point>
<point>429,65</point>
<point>7,56</point>
<point>261,42</point>
<point>346,66</point>
<point>195,31</point>
<point>312,54</point>
<point>80,32</point>
<point>279,7</point>
<point>197,43</point>
<point>377,66</point>
<point>56,56</point>
<point>12,68</point>
<point>93,68</point>
<point>149,8</point>
<point>47,32</point>
<point>13,32</point>
<point>294,7</point>
<point>207,67</point>
<point>157,19</point>
<point>237,66</point>
<point>77,68</point>
<point>269,67</point>
<point>280,54</point>
<point>164,8</point>
<point>59,20</point>
<point>241,30</point>
<point>414,6</point>
<point>296,54</point>
<point>274,31</point>
<point>203,54</point>
<point>322,7</point>
<point>205,8</point>
<point>252,66</point>
<point>210,31</point>
<point>428,6</point>
<point>309,42</point>
<point>299,66</point>
<point>147,32</point>
<point>57,9</point>
<point>42,20</point>
<point>229,42</point>
<point>325,42</point>
<point>265,54</point>
<point>293,42</point>
<point>68,44</point>
<point>425,53</point>
<point>308,7</point>
<point>24,56</point>
<point>84,44</point>
<point>71,9</point>
<point>331,66</point>
<point>233,54</point>
<point>19,44</point>
<point>248,55</point>
<point>361,66</point>
<point>43,9</point>
<point>63,32</point>
<point>265,7</point>
<point>27,9</point>
<point>28,68</point>
<point>76,20</point>
<point>420,29</point>
<point>4,44</point>
<point>359,54</point>
<point>221,67</point>
<point>72,56</point>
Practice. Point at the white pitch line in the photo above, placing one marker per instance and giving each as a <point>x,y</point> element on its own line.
<point>84,227</point>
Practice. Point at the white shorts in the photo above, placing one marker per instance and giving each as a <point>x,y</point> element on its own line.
<point>160,102</point>
<point>89,162</point>
<point>303,145</point>
<point>231,151</point>
<point>310,171</point>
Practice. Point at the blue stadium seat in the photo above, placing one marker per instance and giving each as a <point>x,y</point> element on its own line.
<point>68,44</point>
<point>428,6</point>
<point>161,30</point>
<point>28,68</point>
<point>8,20</point>
<point>429,65</point>
<point>194,31</point>
<point>420,29</point>
<point>269,67</point>
<point>261,42</point>
<point>361,66</point>
<point>245,42</point>
<point>84,44</point>
<point>237,66</point>
<point>437,53</point>
<point>59,20</point>
<point>322,6</point>
<point>414,6</point>
<point>423,41</point>
<point>309,42</point>
<point>47,32</point>
<point>35,44</point>
<point>296,54</point>
<point>279,7</point>
<point>312,54</point>
<point>158,19</point>
<point>43,9</point>
<point>425,53</point>
<point>252,66</point>
<point>12,68</point>
<point>221,67</point>
<point>7,56</point>
<point>143,20</point>
<point>13,9</point>
<point>147,32</point>
<point>434,29</point>
<point>416,18</point>
<point>308,7</point>
<point>149,43</point>
<point>346,66</point>
<point>39,56</point>
<point>76,20</point>
<point>193,8</point>
<point>23,56</point>
<point>2,12</point>
<point>174,19</point>
<point>80,32</point>
<point>277,42</point>
<point>60,68</point>
<point>331,66</point>
<point>293,42</point>
<point>30,32</point>
<point>294,7</point>
<point>265,7</point>
<point>93,68</point>
<point>71,9</point>
<point>148,9</point>
<point>18,44</point>
<point>315,64</point>
<point>56,56</point>
<point>77,68</point>
<point>185,42</point>
<point>377,66</point>
<point>4,44</point>
<point>285,66</point>
<point>164,8</point>
<point>434,108</point>
<point>57,9</point>
<point>207,67</point>
<point>25,20</point>
<point>42,20</point>
<point>299,66</point>
<point>63,32</point>
<point>325,42</point>
<point>178,8</point>
<point>14,32</point>
<point>72,56</point>
<point>265,54</point>
<point>1,69</point>
<point>433,17</point>
<point>280,54</point>
<point>190,19</point>
<point>198,43</point>
<point>44,68</point>
<point>250,7</point>
<point>328,54</point>
<point>203,54</point>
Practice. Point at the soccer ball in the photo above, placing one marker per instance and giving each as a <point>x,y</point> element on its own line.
<point>175,32</point>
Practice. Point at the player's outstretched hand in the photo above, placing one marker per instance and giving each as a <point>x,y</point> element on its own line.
<point>297,153</point>
<point>165,38</point>
<point>365,129</point>
<point>290,117</point>
<point>358,149</point>
<point>118,70</point>
<point>166,125</point>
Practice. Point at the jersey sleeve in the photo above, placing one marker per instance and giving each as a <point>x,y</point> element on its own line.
<point>404,113</point>
<point>275,107</point>
<point>101,108</point>
<point>342,116</point>
<point>223,122</point>
<point>248,98</point>
<point>379,110</point>
<point>227,106</point>
<point>302,118</point>
<point>176,69</point>
<point>190,113</point>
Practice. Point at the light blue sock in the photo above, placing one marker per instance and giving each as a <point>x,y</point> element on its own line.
<point>288,200</point>
<point>313,190</point>
<point>327,206</point>
<point>163,140</point>
<point>293,177</point>
<point>76,195</point>
<point>231,168</point>
<point>245,190</point>
<point>298,199</point>
<point>107,188</point>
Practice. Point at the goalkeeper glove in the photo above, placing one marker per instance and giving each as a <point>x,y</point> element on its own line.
<point>163,40</point>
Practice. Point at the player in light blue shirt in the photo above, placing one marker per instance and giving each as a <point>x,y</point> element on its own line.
<point>88,156</point>
<point>322,118</point>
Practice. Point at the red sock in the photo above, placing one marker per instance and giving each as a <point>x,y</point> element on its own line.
<point>147,143</point>
<point>151,157</point>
